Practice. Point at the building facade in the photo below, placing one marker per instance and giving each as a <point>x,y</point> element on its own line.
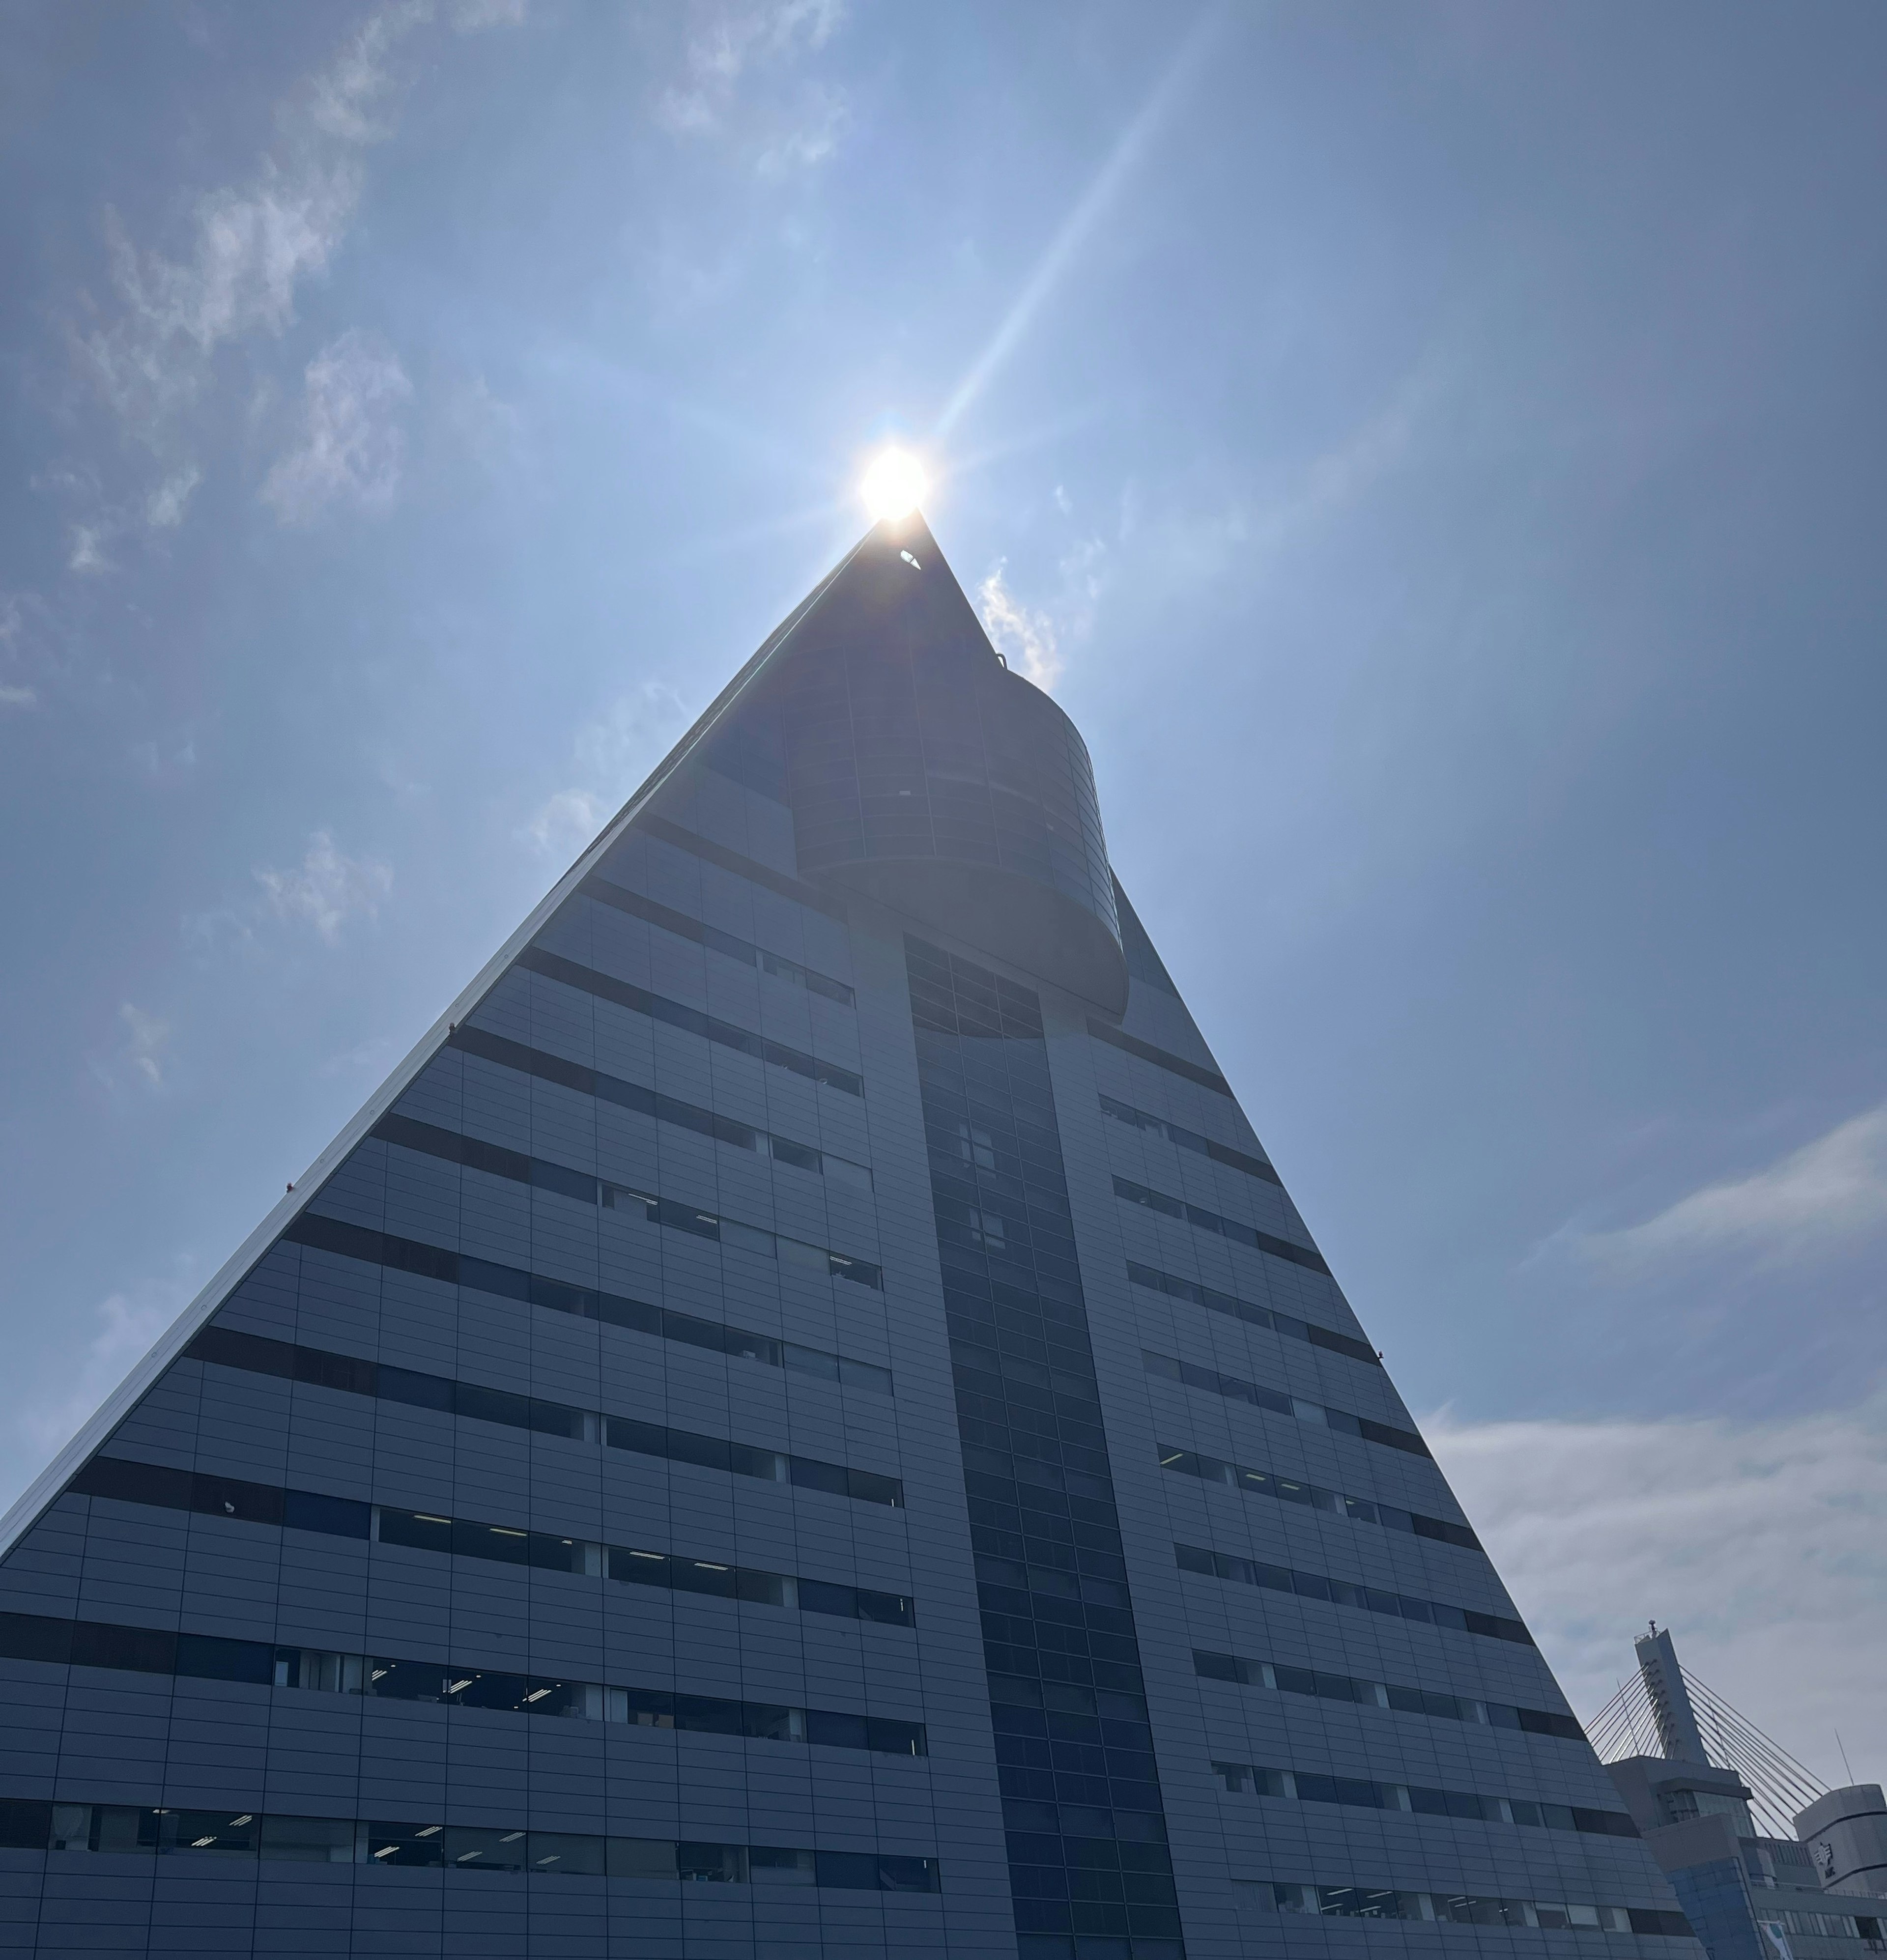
<point>801,1421</point>
<point>1749,1893</point>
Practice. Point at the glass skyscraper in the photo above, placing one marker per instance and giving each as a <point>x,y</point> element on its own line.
<point>800,1421</point>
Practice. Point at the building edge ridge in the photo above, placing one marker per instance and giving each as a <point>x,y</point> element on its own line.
<point>44,1490</point>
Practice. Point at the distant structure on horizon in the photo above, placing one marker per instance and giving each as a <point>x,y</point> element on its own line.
<point>1768,1863</point>
<point>799,1424</point>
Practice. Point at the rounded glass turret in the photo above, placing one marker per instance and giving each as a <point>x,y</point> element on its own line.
<point>921,771</point>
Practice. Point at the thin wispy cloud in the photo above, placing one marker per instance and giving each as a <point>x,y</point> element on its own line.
<point>87,556</point>
<point>1763,1545</point>
<point>146,1042</point>
<point>727,42</point>
<point>565,822</point>
<point>1179,540</point>
<point>327,887</point>
<point>19,650</point>
<point>165,507</point>
<point>124,1325</point>
<point>252,246</point>
<point>255,243</point>
<point>613,755</point>
<point>1818,1199</point>
<point>351,447</point>
<point>1027,639</point>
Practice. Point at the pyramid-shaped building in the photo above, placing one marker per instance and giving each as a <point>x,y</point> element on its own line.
<point>800,1421</point>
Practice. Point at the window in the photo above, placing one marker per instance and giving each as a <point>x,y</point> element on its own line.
<point>1226,1228</point>
<point>80,1827</point>
<point>1176,1288</point>
<point>1236,1389</point>
<point>359,1242</point>
<point>677,1014</point>
<point>1408,1700</point>
<point>607,891</point>
<point>1249,1779</point>
<point>1189,1140</point>
<point>1453,1908</point>
<point>1289,1491</point>
<point>1342,1592</point>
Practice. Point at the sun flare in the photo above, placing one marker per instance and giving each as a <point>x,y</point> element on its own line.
<point>894,485</point>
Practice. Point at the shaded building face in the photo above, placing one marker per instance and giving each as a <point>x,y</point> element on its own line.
<point>804,1422</point>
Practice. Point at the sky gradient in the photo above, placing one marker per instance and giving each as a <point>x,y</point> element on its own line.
<point>1436,454</point>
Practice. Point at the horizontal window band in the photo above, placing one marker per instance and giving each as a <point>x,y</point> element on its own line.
<point>26,1825</point>
<point>543,1174</point>
<point>1460,1909</point>
<point>210,1496</point>
<point>1290,1490</point>
<point>763,875</point>
<point>1226,1228</point>
<point>680,1218</point>
<point>627,1094</point>
<point>1828,1925</point>
<point>1340,1592</point>
<point>605,891</point>
<point>257,1354</point>
<point>1383,1694</point>
<point>1160,1057</point>
<point>260,1663</point>
<point>691,1020</point>
<point>1287,1324</point>
<point>1234,1388</point>
<point>437,1262</point>
<point>1191,1139</point>
<point>1253,1779</point>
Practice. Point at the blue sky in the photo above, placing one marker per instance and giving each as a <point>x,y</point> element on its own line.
<point>1435,453</point>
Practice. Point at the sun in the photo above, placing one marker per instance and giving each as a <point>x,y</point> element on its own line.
<point>894,485</point>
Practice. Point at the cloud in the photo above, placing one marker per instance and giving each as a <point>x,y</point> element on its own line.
<point>1763,1545</point>
<point>125,1325</point>
<point>1027,641</point>
<point>255,243</point>
<point>88,557</point>
<point>1033,641</point>
<point>352,447</point>
<point>14,694</point>
<point>327,887</point>
<point>146,1040</point>
<point>566,821</point>
<point>372,1057</point>
<point>471,16</point>
<point>165,507</point>
<point>28,642</point>
<point>252,245</point>
<point>1824,1196</point>
<point>1240,528</point>
<point>489,430</point>
<point>727,41</point>
<point>614,753</point>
